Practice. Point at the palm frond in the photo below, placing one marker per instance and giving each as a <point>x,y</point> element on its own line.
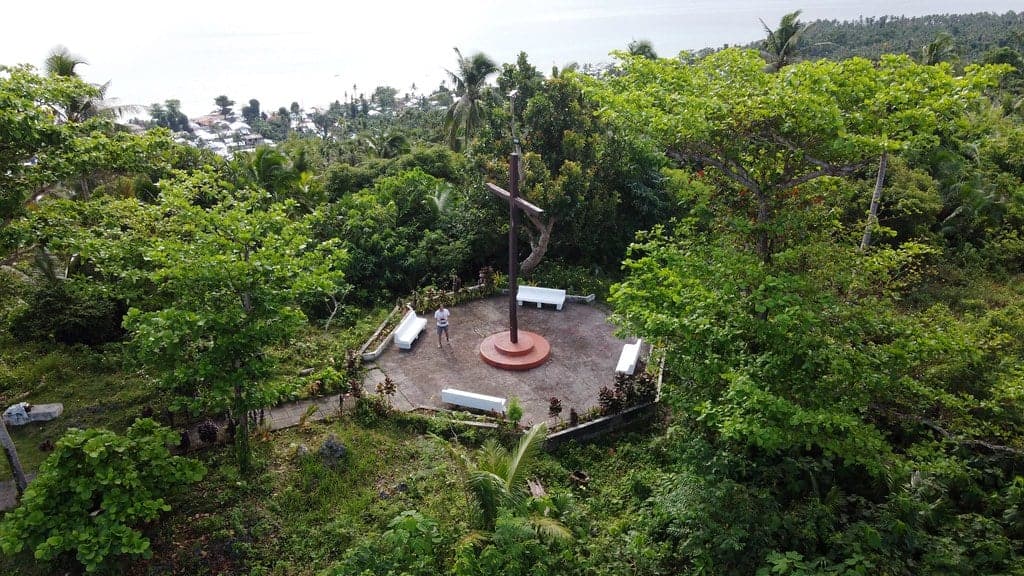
<point>493,458</point>
<point>550,529</point>
<point>61,62</point>
<point>488,490</point>
<point>473,539</point>
<point>523,458</point>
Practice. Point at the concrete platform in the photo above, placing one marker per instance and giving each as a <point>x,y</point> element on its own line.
<point>582,360</point>
<point>531,350</point>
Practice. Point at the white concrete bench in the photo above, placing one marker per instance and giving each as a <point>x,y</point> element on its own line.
<point>473,400</point>
<point>629,357</point>
<point>409,329</point>
<point>541,296</point>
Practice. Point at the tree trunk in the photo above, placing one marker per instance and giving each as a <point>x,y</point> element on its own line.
<point>764,216</point>
<point>242,450</point>
<point>11,451</point>
<point>538,244</point>
<point>876,197</point>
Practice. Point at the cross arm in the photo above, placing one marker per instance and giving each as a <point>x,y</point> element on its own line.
<point>522,204</point>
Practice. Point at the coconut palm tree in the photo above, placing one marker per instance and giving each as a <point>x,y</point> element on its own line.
<point>387,143</point>
<point>642,48</point>
<point>61,62</point>
<point>266,168</point>
<point>467,111</point>
<point>941,49</point>
<point>780,47</point>
<point>499,482</point>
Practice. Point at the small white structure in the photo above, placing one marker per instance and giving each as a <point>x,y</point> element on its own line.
<point>409,329</point>
<point>629,357</point>
<point>541,296</point>
<point>473,400</point>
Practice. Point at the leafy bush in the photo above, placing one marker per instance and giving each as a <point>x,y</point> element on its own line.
<point>578,280</point>
<point>71,314</point>
<point>12,288</point>
<point>412,545</point>
<point>609,401</point>
<point>515,412</point>
<point>93,490</point>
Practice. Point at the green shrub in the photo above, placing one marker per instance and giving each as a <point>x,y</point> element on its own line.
<point>70,313</point>
<point>92,492</point>
<point>578,280</point>
<point>413,545</point>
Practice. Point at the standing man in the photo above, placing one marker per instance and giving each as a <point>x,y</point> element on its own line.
<point>441,318</point>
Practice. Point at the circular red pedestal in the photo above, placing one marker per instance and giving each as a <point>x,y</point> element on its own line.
<point>530,351</point>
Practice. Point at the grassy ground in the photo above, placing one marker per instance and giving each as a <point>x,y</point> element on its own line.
<point>97,391</point>
<point>89,382</point>
<point>296,515</point>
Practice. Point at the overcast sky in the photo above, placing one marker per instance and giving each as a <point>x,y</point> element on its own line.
<point>313,52</point>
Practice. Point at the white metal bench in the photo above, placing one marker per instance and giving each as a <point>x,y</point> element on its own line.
<point>629,357</point>
<point>473,400</point>
<point>409,329</point>
<point>541,296</point>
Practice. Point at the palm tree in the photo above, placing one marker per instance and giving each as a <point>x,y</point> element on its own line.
<point>941,49</point>
<point>780,47</point>
<point>61,62</point>
<point>467,111</point>
<point>642,48</point>
<point>499,482</point>
<point>387,143</point>
<point>266,168</point>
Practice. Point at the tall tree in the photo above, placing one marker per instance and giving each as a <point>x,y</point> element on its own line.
<point>170,116</point>
<point>782,44</point>
<point>941,49</point>
<point>61,62</point>
<point>385,98</point>
<point>251,113</point>
<point>33,138</point>
<point>642,48</point>
<point>225,104</point>
<point>466,114</point>
<point>767,134</point>
<point>231,274</point>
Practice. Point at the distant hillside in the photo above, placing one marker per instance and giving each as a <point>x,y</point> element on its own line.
<point>871,37</point>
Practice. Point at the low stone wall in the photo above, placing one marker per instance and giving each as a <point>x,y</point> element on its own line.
<point>580,299</point>
<point>574,298</point>
<point>374,354</point>
<point>603,425</point>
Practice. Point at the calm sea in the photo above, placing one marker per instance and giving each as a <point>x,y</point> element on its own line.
<point>315,52</point>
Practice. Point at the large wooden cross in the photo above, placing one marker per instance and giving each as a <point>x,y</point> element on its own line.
<point>514,201</point>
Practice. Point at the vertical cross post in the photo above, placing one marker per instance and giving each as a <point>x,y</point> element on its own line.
<point>515,204</point>
<point>513,241</point>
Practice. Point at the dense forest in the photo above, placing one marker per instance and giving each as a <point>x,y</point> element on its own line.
<point>822,237</point>
<point>973,35</point>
